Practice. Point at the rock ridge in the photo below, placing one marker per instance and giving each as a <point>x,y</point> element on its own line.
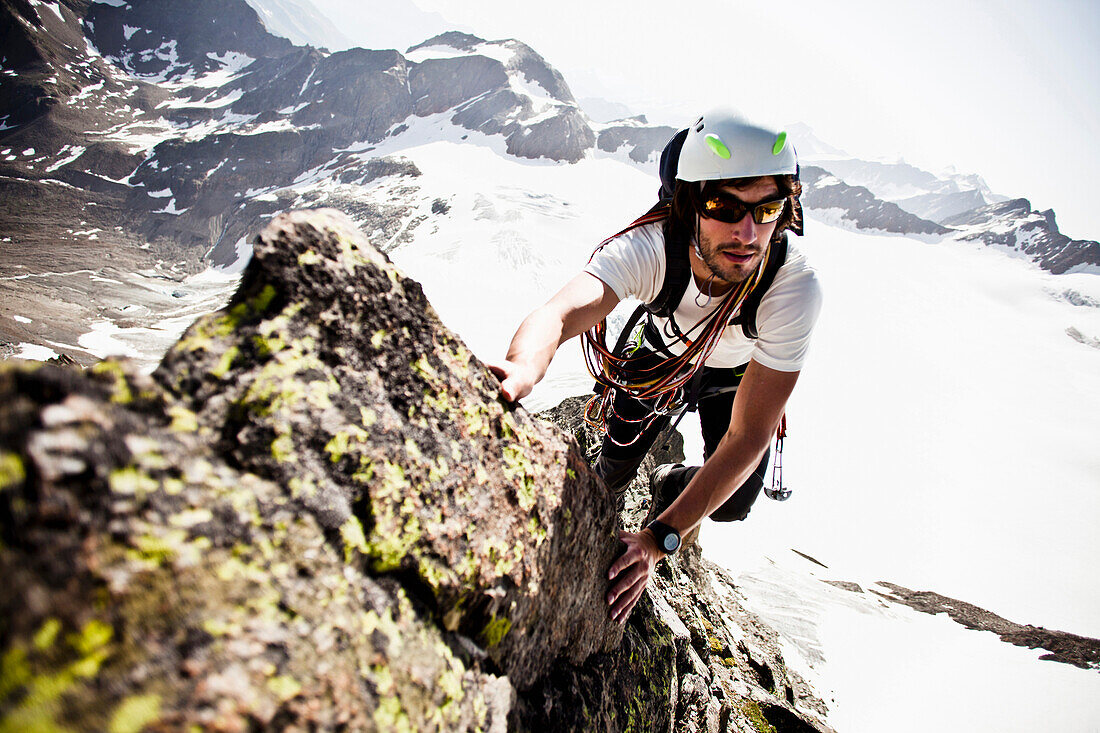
<point>318,513</point>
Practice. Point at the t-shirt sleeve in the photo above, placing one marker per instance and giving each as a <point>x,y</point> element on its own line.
<point>632,264</point>
<point>786,321</point>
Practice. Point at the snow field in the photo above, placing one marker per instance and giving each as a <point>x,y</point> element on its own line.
<point>942,433</point>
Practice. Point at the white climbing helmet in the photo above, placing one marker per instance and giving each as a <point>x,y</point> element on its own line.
<point>723,144</point>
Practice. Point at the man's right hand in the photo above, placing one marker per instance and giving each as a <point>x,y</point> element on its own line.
<point>574,309</point>
<point>516,380</point>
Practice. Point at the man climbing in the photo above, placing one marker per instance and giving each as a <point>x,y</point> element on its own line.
<point>728,313</point>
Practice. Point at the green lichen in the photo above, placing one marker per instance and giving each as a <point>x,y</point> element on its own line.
<point>121,394</point>
<point>309,257</point>
<point>354,539</point>
<point>394,485</point>
<point>284,687</point>
<point>367,416</point>
<point>43,680</point>
<point>225,362</point>
<point>518,468</point>
<point>191,517</point>
<point>756,717</point>
<point>438,470</point>
<point>537,531</point>
<point>716,644</point>
<point>435,576</point>
<point>218,627</point>
<point>280,386</point>
<point>45,637</point>
<point>201,335</point>
<point>389,548</point>
<point>162,547</point>
<point>377,339</point>
<point>412,451</point>
<point>15,671</point>
<point>501,557</point>
<point>365,473</point>
<point>282,448</point>
<point>477,419</point>
<point>439,400</point>
<point>12,471</point>
<point>571,474</point>
<point>183,420</point>
<point>390,716</point>
<point>255,306</point>
<point>302,487</point>
<point>495,631</point>
<point>134,713</point>
<point>131,481</point>
<point>339,444</point>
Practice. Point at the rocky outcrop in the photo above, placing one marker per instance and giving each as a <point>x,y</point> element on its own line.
<point>317,513</point>
<point>1014,224</point>
<point>645,142</point>
<point>1080,651</point>
<point>900,180</point>
<point>858,206</point>
<point>500,88</point>
<point>154,136</point>
<point>172,40</point>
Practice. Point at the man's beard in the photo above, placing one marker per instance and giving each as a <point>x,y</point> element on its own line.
<point>725,269</point>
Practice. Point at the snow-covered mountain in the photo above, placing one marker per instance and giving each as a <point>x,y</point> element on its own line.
<point>144,142</point>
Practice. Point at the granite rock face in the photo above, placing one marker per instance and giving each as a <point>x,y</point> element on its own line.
<point>1014,224</point>
<point>860,207</point>
<point>644,142</point>
<point>317,513</point>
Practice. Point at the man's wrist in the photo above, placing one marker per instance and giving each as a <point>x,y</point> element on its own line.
<point>665,537</point>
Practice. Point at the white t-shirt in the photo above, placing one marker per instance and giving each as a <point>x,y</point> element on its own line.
<point>633,265</point>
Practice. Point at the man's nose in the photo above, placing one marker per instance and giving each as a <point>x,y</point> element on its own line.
<point>744,229</point>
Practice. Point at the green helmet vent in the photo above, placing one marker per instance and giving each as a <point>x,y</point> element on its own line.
<point>715,143</point>
<point>780,143</point>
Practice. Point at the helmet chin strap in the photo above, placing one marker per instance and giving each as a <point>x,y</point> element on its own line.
<point>710,278</point>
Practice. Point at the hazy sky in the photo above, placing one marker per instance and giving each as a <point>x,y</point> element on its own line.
<point>1009,89</point>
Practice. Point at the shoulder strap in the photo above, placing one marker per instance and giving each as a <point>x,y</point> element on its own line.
<point>677,274</point>
<point>746,316</point>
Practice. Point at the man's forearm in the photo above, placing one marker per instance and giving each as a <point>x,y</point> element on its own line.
<point>536,341</point>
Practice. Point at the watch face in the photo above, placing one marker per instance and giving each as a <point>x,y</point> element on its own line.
<point>671,541</point>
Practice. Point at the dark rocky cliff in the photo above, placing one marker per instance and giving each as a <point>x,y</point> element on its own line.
<point>1014,224</point>
<point>317,514</point>
<point>860,207</point>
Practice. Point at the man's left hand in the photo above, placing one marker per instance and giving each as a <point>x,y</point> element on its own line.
<point>632,570</point>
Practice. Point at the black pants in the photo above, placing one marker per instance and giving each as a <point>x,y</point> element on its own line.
<point>630,436</point>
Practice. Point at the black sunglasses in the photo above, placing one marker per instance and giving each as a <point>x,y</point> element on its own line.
<point>729,209</point>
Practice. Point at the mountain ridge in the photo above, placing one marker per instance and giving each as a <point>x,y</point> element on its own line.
<point>192,125</point>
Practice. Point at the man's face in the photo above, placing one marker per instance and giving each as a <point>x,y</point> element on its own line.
<point>732,252</point>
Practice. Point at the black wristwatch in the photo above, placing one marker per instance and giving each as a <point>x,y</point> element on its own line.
<point>668,539</point>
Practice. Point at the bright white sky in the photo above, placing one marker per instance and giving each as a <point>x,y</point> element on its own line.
<point>1009,89</point>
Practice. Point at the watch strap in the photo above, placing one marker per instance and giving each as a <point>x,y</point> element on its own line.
<point>668,539</point>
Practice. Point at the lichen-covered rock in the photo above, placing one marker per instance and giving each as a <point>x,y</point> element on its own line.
<point>318,514</point>
<point>146,581</point>
<point>692,657</point>
<point>330,374</point>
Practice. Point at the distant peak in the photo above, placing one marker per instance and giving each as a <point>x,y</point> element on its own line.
<point>454,39</point>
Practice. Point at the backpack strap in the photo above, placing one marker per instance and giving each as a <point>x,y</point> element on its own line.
<point>677,274</point>
<point>746,315</point>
